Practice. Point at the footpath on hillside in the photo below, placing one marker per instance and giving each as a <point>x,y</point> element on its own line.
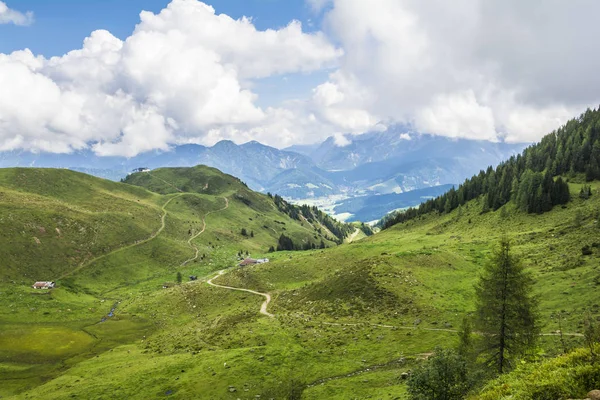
<point>202,231</point>
<point>267,296</point>
<point>154,235</point>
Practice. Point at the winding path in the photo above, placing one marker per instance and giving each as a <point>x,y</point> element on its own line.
<point>267,296</point>
<point>155,234</point>
<point>202,231</point>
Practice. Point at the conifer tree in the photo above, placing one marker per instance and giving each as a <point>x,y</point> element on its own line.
<point>506,309</point>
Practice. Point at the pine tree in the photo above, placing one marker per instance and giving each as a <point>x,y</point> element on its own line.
<point>465,339</point>
<point>179,277</point>
<point>485,208</point>
<point>506,310</point>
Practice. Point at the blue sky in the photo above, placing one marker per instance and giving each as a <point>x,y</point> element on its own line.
<point>61,25</point>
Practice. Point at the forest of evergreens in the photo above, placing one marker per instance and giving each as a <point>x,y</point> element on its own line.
<point>528,178</point>
<point>313,215</point>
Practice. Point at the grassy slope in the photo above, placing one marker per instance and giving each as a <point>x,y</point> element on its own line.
<point>95,234</point>
<point>567,376</point>
<point>193,339</point>
<point>425,270</point>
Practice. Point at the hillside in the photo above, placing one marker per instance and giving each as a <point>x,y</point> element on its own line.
<point>202,179</point>
<point>348,320</point>
<point>566,376</point>
<point>337,323</point>
<point>105,243</point>
<point>527,179</point>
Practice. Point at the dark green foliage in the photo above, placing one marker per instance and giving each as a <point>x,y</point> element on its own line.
<point>578,219</point>
<point>367,230</point>
<point>314,216</point>
<point>486,207</point>
<point>465,339</point>
<point>244,232</point>
<point>538,192</point>
<point>243,199</point>
<point>527,177</point>
<point>179,277</point>
<point>285,243</point>
<point>506,309</point>
<point>564,377</point>
<point>591,334</point>
<point>585,192</point>
<point>442,377</point>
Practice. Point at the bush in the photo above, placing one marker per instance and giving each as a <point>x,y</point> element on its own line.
<point>567,376</point>
<point>442,377</point>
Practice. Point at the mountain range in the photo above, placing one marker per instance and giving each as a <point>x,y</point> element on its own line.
<point>392,162</point>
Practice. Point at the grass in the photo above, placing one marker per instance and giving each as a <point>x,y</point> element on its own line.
<point>567,376</point>
<point>349,319</point>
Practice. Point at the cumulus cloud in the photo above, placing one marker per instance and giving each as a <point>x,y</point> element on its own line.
<point>10,16</point>
<point>184,74</point>
<point>479,69</point>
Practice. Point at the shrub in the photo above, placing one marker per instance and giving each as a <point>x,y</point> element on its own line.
<point>442,377</point>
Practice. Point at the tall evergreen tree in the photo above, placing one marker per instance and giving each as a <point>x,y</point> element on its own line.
<point>506,309</point>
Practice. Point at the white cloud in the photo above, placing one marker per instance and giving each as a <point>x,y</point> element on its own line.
<point>183,74</point>
<point>340,140</point>
<point>484,69</point>
<point>10,16</point>
<point>478,69</point>
<point>457,115</point>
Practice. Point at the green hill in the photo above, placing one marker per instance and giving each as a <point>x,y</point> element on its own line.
<point>347,321</point>
<point>105,243</point>
<point>200,179</point>
<point>206,180</point>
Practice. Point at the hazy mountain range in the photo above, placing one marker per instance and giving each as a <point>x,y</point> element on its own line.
<point>392,163</point>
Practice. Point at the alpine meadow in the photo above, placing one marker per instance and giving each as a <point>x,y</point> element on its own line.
<point>299,200</point>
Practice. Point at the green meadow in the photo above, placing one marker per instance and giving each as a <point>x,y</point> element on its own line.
<point>349,319</point>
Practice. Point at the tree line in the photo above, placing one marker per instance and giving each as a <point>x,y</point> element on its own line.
<point>285,243</point>
<point>313,216</point>
<point>527,178</point>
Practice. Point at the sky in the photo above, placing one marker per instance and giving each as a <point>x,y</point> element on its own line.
<point>127,77</point>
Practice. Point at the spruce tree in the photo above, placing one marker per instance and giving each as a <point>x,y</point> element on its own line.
<point>506,309</point>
